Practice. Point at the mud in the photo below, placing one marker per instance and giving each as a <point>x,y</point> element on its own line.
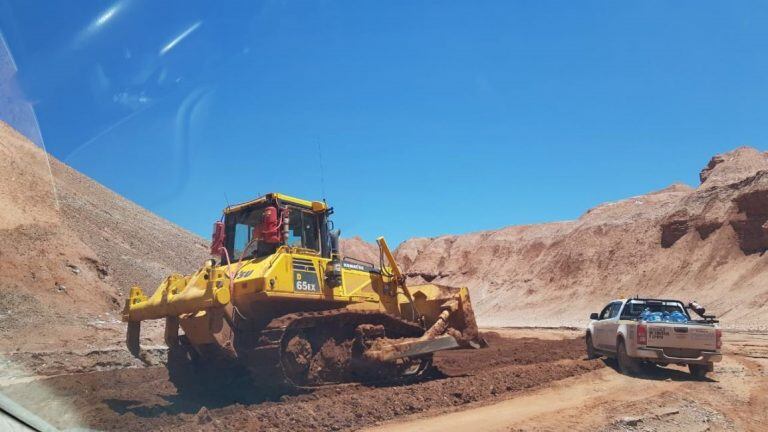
<point>332,363</point>
<point>144,399</point>
<point>501,351</point>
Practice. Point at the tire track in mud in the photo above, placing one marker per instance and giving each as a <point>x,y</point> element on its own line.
<point>144,399</point>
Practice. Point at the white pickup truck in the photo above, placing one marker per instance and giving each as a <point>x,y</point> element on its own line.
<point>634,332</point>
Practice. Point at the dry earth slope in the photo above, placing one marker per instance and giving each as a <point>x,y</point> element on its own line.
<point>706,244</point>
<point>355,247</point>
<point>70,250</point>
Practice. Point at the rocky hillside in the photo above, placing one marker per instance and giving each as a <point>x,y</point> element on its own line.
<point>71,249</point>
<point>355,247</point>
<point>705,244</point>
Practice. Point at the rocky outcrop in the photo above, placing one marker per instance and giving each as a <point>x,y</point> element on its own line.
<point>732,167</point>
<point>673,230</point>
<point>751,219</point>
<point>734,193</point>
<point>703,243</point>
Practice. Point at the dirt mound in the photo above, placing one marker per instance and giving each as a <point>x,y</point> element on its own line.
<point>71,250</point>
<point>703,244</point>
<point>360,249</point>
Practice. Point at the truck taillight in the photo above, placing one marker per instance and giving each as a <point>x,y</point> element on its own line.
<point>718,338</point>
<point>642,334</point>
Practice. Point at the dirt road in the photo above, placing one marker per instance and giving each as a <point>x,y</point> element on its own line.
<point>735,398</point>
<point>527,380</point>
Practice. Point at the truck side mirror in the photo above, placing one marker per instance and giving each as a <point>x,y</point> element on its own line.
<point>594,316</point>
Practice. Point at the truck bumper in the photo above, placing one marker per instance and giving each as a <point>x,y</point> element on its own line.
<point>658,355</point>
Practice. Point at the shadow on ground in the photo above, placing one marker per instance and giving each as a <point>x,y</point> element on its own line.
<point>657,373</point>
<point>190,402</point>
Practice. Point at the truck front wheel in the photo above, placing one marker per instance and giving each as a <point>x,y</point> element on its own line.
<point>627,365</point>
<point>591,353</point>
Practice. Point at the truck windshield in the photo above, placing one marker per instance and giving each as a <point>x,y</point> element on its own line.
<point>634,308</point>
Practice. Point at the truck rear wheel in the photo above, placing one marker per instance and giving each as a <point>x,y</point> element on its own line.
<point>627,365</point>
<point>698,371</point>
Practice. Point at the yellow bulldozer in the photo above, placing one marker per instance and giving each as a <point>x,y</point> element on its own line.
<point>282,304</point>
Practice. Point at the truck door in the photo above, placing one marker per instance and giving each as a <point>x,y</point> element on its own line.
<point>600,337</point>
<point>606,326</point>
<point>611,326</point>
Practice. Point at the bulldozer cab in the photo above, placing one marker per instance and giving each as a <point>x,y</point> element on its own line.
<point>258,228</point>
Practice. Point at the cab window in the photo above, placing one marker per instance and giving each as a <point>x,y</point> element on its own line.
<point>243,236</point>
<point>242,228</point>
<point>245,226</point>
<point>634,308</point>
<point>615,309</point>
<point>610,311</point>
<point>303,231</point>
<point>606,312</point>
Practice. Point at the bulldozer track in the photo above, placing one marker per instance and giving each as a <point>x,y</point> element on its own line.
<point>267,361</point>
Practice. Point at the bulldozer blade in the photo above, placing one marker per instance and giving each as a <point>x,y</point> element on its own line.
<point>414,348</point>
<point>477,343</point>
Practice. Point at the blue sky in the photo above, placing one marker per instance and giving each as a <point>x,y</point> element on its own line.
<point>429,117</point>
